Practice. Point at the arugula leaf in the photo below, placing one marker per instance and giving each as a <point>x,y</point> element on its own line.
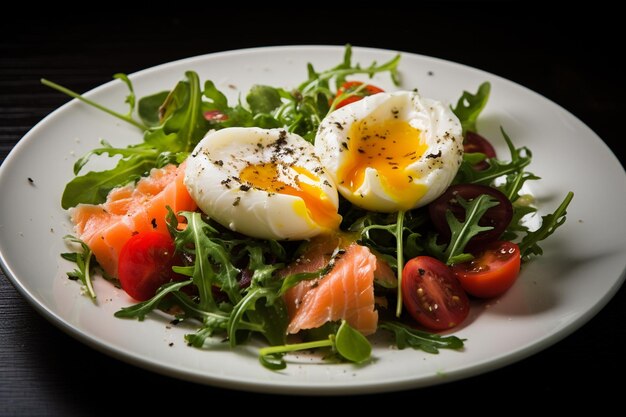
<point>351,346</point>
<point>212,261</point>
<point>217,99</point>
<point>94,187</point>
<point>550,222</point>
<point>520,159</point>
<point>471,105</point>
<point>77,96</point>
<point>138,311</point>
<point>263,99</point>
<point>417,339</point>
<point>130,98</point>
<point>182,114</point>
<point>148,108</point>
<point>271,314</point>
<point>83,262</point>
<point>462,232</point>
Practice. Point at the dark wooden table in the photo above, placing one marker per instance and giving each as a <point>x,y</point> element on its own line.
<point>45,372</point>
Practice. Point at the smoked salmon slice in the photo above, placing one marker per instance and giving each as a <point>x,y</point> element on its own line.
<point>346,292</point>
<point>129,210</point>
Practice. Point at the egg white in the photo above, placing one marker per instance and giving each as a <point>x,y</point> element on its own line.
<point>213,172</point>
<point>427,176</point>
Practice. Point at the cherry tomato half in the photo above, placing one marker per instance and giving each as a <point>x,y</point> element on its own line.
<point>350,86</point>
<point>432,294</point>
<point>493,271</point>
<point>476,143</point>
<point>145,264</point>
<point>497,217</point>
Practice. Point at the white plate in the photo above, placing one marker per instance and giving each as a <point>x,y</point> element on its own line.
<point>583,266</point>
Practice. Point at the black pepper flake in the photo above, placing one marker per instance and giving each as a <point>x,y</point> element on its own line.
<point>219,163</point>
<point>175,322</point>
<point>410,178</point>
<point>326,183</point>
<point>421,271</point>
<point>236,202</point>
<point>430,73</point>
<point>171,344</point>
<point>153,222</point>
<point>339,125</point>
<point>360,150</point>
<point>30,180</point>
<point>244,187</point>
<point>345,145</point>
<point>433,156</point>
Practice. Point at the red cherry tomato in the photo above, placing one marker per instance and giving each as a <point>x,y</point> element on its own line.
<point>497,217</point>
<point>476,143</point>
<point>215,116</point>
<point>350,86</point>
<point>145,264</point>
<point>432,294</point>
<point>493,271</point>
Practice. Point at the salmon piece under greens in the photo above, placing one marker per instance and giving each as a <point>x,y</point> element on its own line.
<point>346,292</point>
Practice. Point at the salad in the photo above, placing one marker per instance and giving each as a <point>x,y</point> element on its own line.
<point>309,217</point>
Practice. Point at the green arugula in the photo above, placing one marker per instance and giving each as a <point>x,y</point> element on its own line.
<point>406,336</point>
<point>463,232</point>
<point>348,343</point>
<point>520,159</point>
<point>469,106</point>
<point>83,262</point>
<point>550,222</point>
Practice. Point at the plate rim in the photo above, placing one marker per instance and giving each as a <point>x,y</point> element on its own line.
<point>316,388</point>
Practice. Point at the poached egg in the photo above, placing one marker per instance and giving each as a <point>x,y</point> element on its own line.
<point>391,151</point>
<point>264,183</point>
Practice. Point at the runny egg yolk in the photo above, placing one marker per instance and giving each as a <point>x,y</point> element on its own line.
<point>387,146</point>
<point>318,206</point>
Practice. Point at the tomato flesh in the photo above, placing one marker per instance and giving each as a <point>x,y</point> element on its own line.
<point>432,294</point>
<point>498,217</point>
<point>349,86</point>
<point>145,263</point>
<point>492,272</point>
<point>476,143</point>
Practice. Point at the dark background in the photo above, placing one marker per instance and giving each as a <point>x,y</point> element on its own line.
<point>565,54</point>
